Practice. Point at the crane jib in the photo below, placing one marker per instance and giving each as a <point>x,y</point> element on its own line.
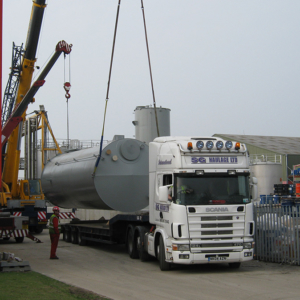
<point>15,117</point>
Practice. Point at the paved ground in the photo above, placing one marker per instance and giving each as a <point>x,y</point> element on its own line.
<point>107,270</point>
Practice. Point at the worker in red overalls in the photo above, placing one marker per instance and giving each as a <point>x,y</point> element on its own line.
<point>54,231</point>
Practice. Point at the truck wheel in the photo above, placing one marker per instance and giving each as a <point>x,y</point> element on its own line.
<point>81,241</point>
<point>235,265</point>
<point>38,229</point>
<point>74,237</point>
<point>131,243</point>
<point>140,238</point>
<point>20,239</point>
<point>67,236</point>
<point>164,266</point>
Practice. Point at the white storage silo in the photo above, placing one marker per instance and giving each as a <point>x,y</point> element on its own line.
<point>145,123</point>
<point>267,174</point>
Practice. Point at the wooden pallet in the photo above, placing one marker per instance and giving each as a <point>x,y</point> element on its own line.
<point>14,266</point>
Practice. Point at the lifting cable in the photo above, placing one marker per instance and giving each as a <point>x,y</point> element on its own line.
<point>108,86</point>
<point>67,87</point>
<point>154,103</point>
<point>109,78</point>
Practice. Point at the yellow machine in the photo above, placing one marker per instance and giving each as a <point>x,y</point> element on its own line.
<point>13,189</point>
<point>25,196</point>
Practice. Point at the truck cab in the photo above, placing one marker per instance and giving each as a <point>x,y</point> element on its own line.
<point>200,201</point>
<point>30,190</point>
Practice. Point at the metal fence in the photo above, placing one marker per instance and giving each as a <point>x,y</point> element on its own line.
<point>277,233</point>
<point>275,158</point>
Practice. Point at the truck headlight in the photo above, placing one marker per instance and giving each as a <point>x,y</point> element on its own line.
<point>248,245</point>
<point>180,247</point>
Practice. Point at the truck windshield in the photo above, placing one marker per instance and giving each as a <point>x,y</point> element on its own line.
<point>216,189</point>
<point>35,187</point>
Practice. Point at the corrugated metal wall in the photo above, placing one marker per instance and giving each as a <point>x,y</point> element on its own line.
<point>253,150</point>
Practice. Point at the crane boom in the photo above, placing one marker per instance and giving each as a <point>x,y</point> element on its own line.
<point>12,156</point>
<point>16,116</point>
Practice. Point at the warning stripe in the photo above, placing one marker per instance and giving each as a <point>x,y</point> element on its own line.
<point>42,215</point>
<point>67,215</point>
<point>18,214</point>
<point>14,233</point>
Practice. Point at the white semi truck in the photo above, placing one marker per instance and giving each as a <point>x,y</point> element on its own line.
<point>184,200</point>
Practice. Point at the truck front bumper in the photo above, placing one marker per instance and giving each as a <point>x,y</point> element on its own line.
<point>187,257</point>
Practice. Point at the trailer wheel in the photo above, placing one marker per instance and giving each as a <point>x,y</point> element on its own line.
<point>67,236</point>
<point>81,241</point>
<point>140,240</point>
<point>235,265</point>
<point>164,266</point>
<point>131,243</point>
<point>20,239</point>
<point>74,237</point>
<point>38,229</point>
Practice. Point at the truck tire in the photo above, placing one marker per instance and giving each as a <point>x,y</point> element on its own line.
<point>20,239</point>
<point>140,241</point>
<point>131,243</point>
<point>81,241</point>
<point>235,265</point>
<point>38,229</point>
<point>74,237</point>
<point>67,236</point>
<point>164,266</point>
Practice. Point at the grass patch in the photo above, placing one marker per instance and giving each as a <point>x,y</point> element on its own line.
<point>35,286</point>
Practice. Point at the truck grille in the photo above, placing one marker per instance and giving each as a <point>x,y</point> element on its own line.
<point>217,232</point>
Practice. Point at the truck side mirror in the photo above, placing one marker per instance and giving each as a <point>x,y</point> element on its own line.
<point>163,192</point>
<point>254,188</point>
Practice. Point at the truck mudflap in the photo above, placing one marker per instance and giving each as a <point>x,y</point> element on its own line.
<point>18,234</point>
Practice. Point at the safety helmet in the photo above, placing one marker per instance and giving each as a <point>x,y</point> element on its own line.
<point>55,208</point>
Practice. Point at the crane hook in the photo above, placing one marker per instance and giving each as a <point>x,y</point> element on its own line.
<point>67,87</point>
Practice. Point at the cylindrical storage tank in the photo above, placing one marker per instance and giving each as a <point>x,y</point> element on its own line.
<point>121,180</point>
<point>145,123</point>
<point>267,174</point>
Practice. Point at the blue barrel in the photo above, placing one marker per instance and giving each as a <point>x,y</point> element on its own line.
<point>276,199</point>
<point>291,189</point>
<point>269,199</point>
<point>263,199</point>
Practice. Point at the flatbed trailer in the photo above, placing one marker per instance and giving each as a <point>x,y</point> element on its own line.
<point>128,229</point>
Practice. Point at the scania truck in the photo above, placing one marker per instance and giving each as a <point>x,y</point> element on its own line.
<point>182,200</point>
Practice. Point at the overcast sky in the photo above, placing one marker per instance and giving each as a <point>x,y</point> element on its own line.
<point>221,66</point>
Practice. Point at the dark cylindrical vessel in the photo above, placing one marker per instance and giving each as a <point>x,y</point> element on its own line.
<point>121,180</point>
